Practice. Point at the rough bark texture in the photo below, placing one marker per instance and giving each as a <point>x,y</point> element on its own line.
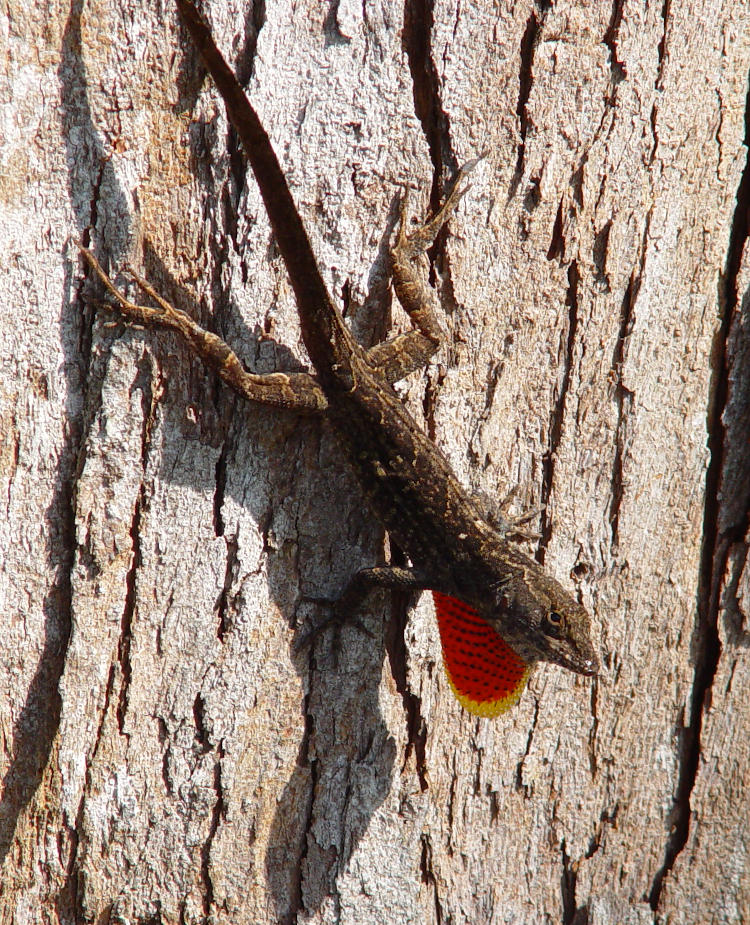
<point>165,757</point>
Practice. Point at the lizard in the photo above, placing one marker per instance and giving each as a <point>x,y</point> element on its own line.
<point>498,611</point>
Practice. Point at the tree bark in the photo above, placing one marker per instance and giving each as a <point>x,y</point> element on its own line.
<point>166,756</point>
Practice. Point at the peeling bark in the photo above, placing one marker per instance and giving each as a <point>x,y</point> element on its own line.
<point>166,756</point>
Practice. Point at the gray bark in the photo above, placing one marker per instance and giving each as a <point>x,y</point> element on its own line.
<point>166,757</point>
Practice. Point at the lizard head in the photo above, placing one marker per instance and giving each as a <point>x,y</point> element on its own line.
<point>541,621</point>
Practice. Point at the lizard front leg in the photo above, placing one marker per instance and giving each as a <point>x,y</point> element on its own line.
<point>296,391</point>
<point>344,608</point>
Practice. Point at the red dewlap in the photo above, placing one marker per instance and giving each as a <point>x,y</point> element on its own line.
<point>486,675</point>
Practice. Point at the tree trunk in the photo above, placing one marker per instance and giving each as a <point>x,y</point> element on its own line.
<point>167,756</point>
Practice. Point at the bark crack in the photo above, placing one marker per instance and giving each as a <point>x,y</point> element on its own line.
<point>207,886</point>
<point>234,184</point>
<point>77,123</point>
<point>86,332</point>
<point>416,728</point>
<point>225,603</point>
<point>558,412</point>
<point>148,404</point>
<point>659,82</point>
<point>419,20</point>
<point>605,819</point>
<point>519,769</point>
<point>303,761</point>
<point>428,876</point>
<point>529,41</point>
<point>525,81</point>
<point>594,729</point>
<point>556,248</point>
<point>417,42</point>
<point>616,66</point>
<point>623,399</point>
<point>72,888</point>
<point>568,883</point>
<point>717,539</point>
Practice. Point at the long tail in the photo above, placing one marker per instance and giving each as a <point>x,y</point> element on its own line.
<point>318,316</point>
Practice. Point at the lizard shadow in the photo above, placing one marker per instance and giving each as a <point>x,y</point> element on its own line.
<point>346,758</point>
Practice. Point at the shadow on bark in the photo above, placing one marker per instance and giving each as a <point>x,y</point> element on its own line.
<point>37,724</point>
<point>338,790</point>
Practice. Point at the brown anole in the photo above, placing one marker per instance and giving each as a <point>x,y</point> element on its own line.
<point>498,611</point>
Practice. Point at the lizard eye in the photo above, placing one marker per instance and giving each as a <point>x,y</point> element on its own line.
<point>554,621</point>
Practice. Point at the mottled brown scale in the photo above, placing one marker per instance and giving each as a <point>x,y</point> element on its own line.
<point>410,486</point>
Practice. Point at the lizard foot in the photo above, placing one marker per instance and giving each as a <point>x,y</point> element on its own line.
<point>336,619</point>
<point>510,525</point>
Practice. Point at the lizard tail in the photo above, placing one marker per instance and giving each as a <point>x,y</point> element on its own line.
<point>321,323</point>
<point>483,671</point>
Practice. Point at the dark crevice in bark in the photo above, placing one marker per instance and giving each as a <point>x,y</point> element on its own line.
<point>600,250</point>
<point>162,733</point>
<point>72,888</point>
<point>223,620</point>
<point>429,402</point>
<point>417,41</point>
<point>530,738</point>
<point>207,886</point>
<point>86,190</point>
<point>593,765</point>
<point>237,175</point>
<point>525,80</point>
<point>231,543</point>
<point>86,330</point>
<point>623,401</point>
<point>202,735</point>
<point>662,48</point>
<point>568,887</point>
<point>558,413</point>
<point>616,66</point>
<point>659,82</point>
<point>451,807</point>
<point>395,646</point>
<point>428,876</point>
<point>126,621</point>
<point>332,29</point>
<point>623,396</point>
<point>220,490</point>
<point>717,539</point>
<point>605,819</point>
<point>296,907</point>
<point>255,19</point>
<point>428,106</point>
<point>556,249</point>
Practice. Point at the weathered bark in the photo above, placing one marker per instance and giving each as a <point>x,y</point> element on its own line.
<point>166,757</point>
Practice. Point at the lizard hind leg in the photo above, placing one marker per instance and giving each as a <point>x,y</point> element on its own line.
<point>408,352</point>
<point>413,291</point>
